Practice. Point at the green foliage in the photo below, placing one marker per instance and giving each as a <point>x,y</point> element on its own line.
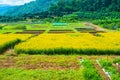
<point>11,18</point>
<point>108,23</point>
<point>116,60</point>
<point>68,6</point>
<point>98,15</point>
<point>105,63</point>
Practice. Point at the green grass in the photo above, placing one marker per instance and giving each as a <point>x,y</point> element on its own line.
<point>20,74</point>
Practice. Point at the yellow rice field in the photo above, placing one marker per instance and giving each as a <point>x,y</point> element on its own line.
<point>70,43</point>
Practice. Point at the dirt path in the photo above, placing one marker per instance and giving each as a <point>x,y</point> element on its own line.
<point>96,27</point>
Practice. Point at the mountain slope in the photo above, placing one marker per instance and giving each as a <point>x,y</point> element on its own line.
<point>32,7</point>
<point>4,8</point>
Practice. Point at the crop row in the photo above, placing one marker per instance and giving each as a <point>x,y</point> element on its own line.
<point>108,67</point>
<point>89,71</point>
<point>84,43</point>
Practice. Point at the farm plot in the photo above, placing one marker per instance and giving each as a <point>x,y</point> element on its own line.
<point>42,67</point>
<point>41,62</point>
<point>83,43</point>
<point>9,40</point>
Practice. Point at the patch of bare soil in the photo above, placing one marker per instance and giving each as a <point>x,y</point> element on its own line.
<point>7,63</point>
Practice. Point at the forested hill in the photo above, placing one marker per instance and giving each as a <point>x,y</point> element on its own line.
<point>32,7</point>
<point>58,6</point>
<point>86,5</point>
<point>4,8</point>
